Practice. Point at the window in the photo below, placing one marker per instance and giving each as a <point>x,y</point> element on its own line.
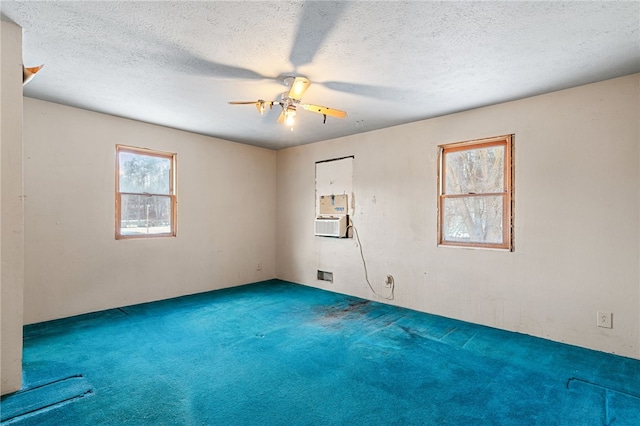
<point>474,208</point>
<point>145,193</point>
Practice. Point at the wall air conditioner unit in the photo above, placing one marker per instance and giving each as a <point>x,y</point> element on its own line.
<point>332,226</point>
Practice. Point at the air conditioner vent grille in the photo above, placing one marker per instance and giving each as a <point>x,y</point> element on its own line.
<point>331,226</point>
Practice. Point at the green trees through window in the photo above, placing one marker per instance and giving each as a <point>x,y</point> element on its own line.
<point>145,193</point>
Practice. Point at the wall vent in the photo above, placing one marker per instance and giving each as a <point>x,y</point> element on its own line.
<point>325,276</point>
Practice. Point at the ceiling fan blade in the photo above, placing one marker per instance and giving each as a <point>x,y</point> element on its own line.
<point>260,104</point>
<point>281,118</point>
<point>377,92</point>
<point>243,102</point>
<point>325,111</point>
<point>298,87</point>
<point>316,23</point>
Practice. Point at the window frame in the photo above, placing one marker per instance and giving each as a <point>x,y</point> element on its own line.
<point>507,193</point>
<point>172,191</point>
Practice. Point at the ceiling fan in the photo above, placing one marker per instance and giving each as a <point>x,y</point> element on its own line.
<point>290,101</point>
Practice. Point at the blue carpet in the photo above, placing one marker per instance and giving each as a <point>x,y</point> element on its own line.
<point>276,353</point>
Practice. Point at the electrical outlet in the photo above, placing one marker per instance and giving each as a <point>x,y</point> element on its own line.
<point>605,319</point>
<point>259,267</point>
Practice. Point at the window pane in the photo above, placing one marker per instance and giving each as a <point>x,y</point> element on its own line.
<point>477,171</point>
<point>475,219</point>
<point>144,173</point>
<point>145,214</point>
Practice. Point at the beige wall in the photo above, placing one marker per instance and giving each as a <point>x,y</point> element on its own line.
<point>576,218</point>
<point>226,212</point>
<point>11,207</point>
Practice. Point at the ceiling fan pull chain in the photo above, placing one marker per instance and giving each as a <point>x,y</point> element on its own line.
<point>325,119</point>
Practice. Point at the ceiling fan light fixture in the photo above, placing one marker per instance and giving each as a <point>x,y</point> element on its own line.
<point>290,117</point>
<point>261,106</point>
<point>289,101</point>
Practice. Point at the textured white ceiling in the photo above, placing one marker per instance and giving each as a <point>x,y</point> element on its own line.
<point>385,63</point>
